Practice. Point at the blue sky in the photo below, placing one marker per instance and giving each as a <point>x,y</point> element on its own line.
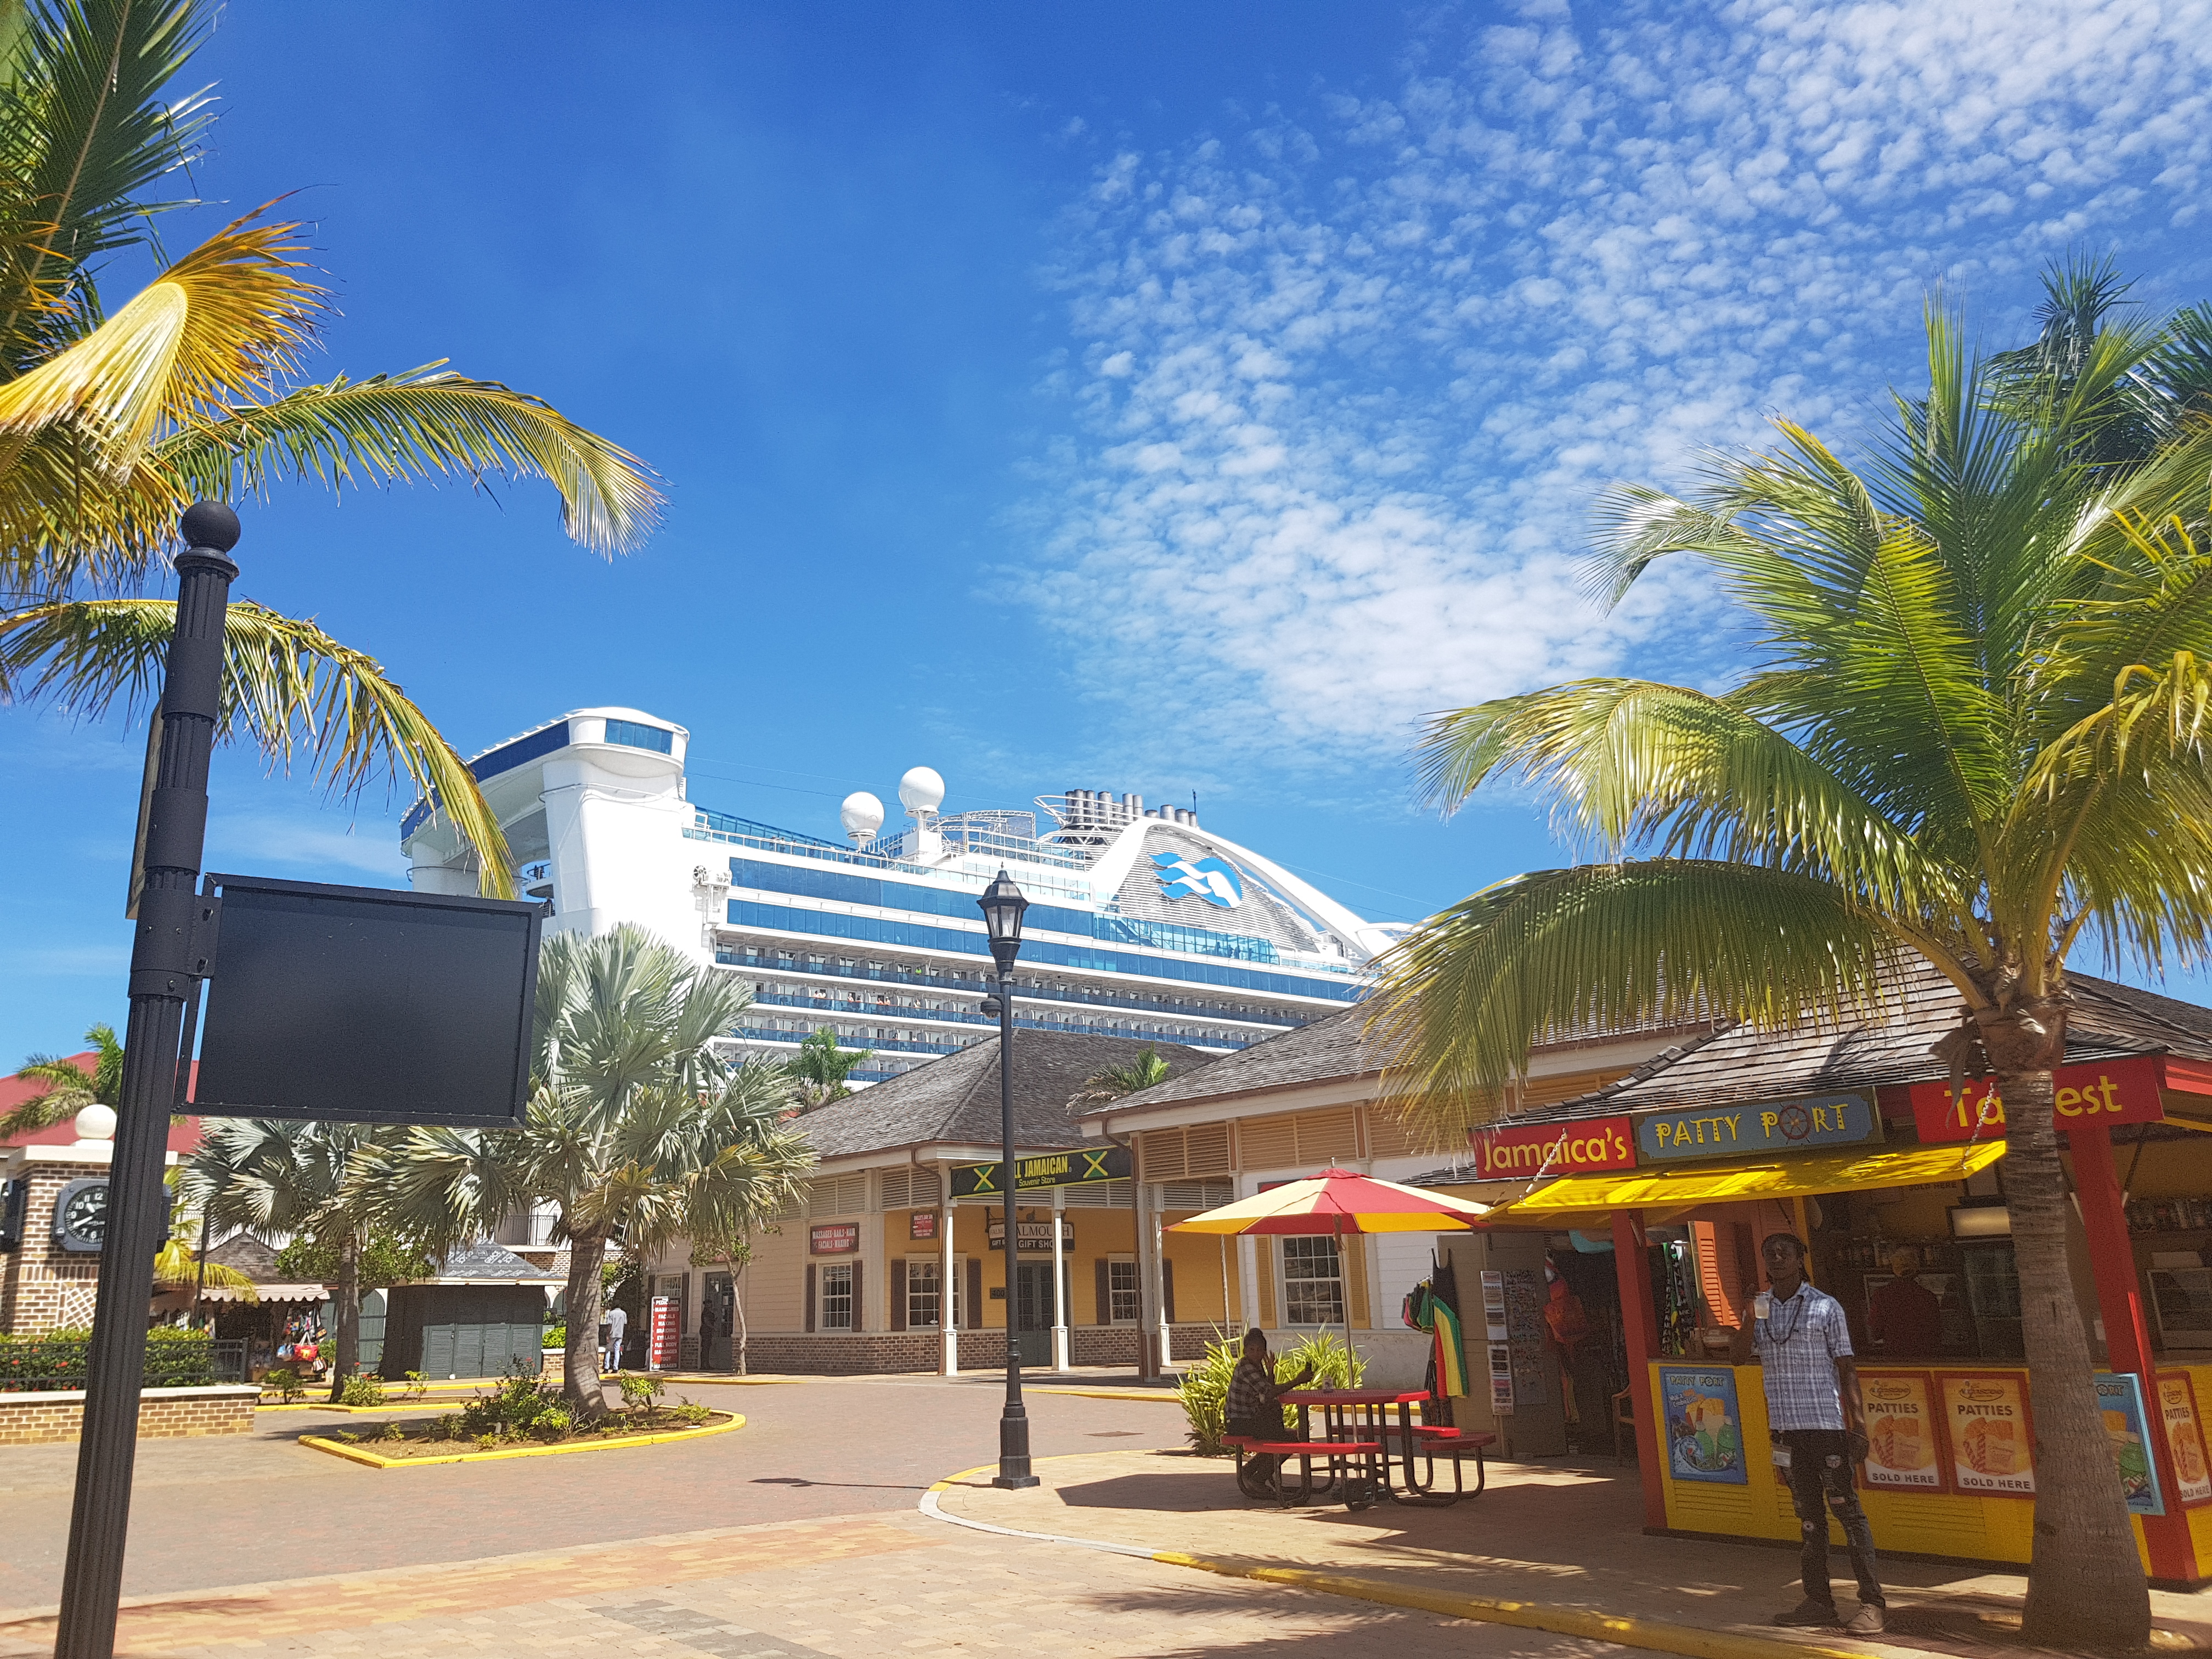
<point>1168,397</point>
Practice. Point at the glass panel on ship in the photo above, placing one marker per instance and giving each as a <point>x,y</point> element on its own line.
<point>1141,924</point>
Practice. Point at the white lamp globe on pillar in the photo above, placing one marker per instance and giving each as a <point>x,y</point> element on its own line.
<point>95,1128</point>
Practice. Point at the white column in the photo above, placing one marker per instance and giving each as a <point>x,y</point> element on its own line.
<point>948,1332</point>
<point>1160,1283</point>
<point>1059,1283</point>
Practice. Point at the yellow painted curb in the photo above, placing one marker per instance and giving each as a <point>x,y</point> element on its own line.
<point>718,1379</point>
<point>1170,1396</point>
<point>374,1460</point>
<point>1651,1634</point>
<point>373,1411</point>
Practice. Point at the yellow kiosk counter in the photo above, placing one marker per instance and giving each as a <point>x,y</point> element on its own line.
<point>1951,1472</point>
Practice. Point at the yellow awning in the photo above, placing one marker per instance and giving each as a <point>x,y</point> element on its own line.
<point>1573,1198</point>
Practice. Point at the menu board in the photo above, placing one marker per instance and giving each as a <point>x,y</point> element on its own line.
<point>2184,1438</point>
<point>1986,1424</point>
<point>1705,1425</point>
<point>2119,1398</point>
<point>1900,1428</point>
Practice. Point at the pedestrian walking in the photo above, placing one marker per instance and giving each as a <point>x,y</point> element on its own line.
<point>1803,1346</point>
<point>617,1321</point>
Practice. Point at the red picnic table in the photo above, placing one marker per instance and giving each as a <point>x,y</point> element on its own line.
<point>1363,1416</point>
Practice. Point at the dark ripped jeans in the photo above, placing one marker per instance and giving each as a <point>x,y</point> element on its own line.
<point>1820,1483</point>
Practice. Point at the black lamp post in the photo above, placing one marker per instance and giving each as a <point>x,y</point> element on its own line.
<point>1002,905</point>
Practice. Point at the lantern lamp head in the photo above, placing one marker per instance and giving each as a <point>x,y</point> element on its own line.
<point>1002,905</point>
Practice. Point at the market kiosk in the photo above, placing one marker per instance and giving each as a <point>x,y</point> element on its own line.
<point>1866,1175</point>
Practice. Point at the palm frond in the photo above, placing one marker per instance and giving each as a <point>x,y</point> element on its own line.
<point>288,686</point>
<point>398,428</point>
<point>1555,954</point>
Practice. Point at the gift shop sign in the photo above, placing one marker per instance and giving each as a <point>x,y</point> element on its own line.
<point>2112,1092</point>
<point>837,1238</point>
<point>1529,1150</point>
<point>1781,1126</point>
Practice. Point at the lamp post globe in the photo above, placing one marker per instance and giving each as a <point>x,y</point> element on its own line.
<point>1002,904</point>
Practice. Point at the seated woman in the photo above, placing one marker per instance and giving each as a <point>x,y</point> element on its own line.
<point>1252,1407</point>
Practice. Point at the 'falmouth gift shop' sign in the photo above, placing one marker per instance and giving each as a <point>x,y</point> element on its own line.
<point>1781,1126</point>
<point>1552,1149</point>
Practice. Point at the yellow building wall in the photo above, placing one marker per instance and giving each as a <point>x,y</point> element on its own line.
<point>775,1282</point>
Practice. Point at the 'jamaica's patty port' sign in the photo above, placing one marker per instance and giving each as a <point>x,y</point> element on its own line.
<point>1071,1169</point>
<point>1781,1126</point>
<point>1527,1149</point>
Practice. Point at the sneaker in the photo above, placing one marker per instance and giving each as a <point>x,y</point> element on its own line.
<point>1867,1621</point>
<point>1810,1615</point>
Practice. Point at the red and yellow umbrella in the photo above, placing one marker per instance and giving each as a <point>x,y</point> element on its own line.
<point>1337,1201</point>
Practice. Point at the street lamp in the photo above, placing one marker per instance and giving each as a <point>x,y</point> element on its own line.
<point>1002,905</point>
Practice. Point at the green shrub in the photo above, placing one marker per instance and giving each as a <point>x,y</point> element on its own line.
<point>691,1411</point>
<point>391,1431</point>
<point>557,1336</point>
<point>639,1390</point>
<point>551,1423</point>
<point>175,1359</point>
<point>443,1428</point>
<point>1204,1390</point>
<point>359,1390</point>
<point>351,1439</point>
<point>289,1384</point>
<point>416,1386</point>
<point>486,1443</point>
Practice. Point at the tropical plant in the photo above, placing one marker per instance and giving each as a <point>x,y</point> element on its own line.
<point>384,1260</point>
<point>70,1089</point>
<point>178,1264</point>
<point>1115,1081</point>
<point>355,1389</point>
<point>275,1176</point>
<point>115,416</point>
<point>1975,734</point>
<point>820,1068</point>
<point>635,1128</point>
<point>1203,1389</point>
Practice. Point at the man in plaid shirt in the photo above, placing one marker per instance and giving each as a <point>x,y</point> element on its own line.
<point>1251,1407</point>
<point>1812,1410</point>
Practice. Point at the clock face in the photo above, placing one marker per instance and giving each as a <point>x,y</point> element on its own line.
<point>80,1216</point>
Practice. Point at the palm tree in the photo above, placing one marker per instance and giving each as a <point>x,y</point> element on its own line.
<point>277,1176</point>
<point>70,1089</point>
<point>1115,1081</point>
<point>635,1128</point>
<point>820,1068</point>
<point>1975,731</point>
<point>178,1264</point>
<point>114,417</point>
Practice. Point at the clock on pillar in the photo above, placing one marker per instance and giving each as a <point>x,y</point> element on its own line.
<point>80,1216</point>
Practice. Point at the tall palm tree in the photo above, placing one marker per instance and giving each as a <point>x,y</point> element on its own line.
<point>1974,732</point>
<point>278,1176</point>
<point>636,1129</point>
<point>114,417</point>
<point>70,1088</point>
<point>820,1068</point>
<point>1115,1081</point>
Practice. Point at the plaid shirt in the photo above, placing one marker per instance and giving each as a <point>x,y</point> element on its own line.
<point>1251,1391</point>
<point>1799,1342</point>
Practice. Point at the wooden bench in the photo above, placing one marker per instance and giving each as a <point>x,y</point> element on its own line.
<point>1357,1494</point>
<point>1437,1441</point>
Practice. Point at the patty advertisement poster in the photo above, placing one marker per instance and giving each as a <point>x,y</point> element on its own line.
<point>2184,1438</point>
<point>1986,1415</point>
<point>1704,1430</point>
<point>1900,1428</point>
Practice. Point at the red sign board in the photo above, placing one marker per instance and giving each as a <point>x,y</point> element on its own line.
<point>922,1223</point>
<point>667,1317</point>
<point>2109,1092</point>
<point>1556,1149</point>
<point>835,1238</point>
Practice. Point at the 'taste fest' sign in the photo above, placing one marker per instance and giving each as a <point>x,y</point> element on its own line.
<point>2112,1092</point>
<point>1525,1151</point>
<point>1781,1126</point>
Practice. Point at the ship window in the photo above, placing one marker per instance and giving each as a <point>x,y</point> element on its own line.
<point>635,734</point>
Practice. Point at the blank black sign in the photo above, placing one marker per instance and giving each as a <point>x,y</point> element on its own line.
<point>358,1004</point>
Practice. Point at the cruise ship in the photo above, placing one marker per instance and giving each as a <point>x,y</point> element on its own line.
<point>1141,922</point>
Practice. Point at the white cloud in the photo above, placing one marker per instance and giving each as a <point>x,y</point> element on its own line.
<point>1346,383</point>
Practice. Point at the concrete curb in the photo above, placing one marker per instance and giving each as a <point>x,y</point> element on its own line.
<point>1167,1395</point>
<point>359,1455</point>
<point>1653,1634</point>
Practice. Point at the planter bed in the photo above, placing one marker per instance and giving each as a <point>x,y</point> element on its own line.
<point>394,1444</point>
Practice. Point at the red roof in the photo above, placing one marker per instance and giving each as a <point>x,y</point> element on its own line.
<point>14,1092</point>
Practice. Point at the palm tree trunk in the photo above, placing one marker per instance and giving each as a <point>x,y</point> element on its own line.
<point>2085,1589</point>
<point>738,1301</point>
<point>580,1364</point>
<point>348,1313</point>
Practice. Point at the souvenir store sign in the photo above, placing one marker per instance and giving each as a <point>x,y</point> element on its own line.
<point>1900,1428</point>
<point>1781,1126</point>
<point>2110,1092</point>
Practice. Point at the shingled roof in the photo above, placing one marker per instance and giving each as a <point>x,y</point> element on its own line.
<point>2106,1021</point>
<point>1327,1050</point>
<point>955,1100</point>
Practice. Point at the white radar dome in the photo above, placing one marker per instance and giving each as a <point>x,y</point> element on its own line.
<point>862,814</point>
<point>921,790</point>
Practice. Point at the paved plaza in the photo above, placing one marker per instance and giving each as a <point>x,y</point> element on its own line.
<point>804,1535</point>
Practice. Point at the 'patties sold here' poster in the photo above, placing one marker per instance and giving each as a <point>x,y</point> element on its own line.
<point>1900,1426</point>
<point>1986,1419</point>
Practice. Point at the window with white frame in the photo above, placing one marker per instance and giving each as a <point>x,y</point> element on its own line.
<point>1313,1282</point>
<point>837,1297</point>
<point>922,1289</point>
<point>1121,1289</point>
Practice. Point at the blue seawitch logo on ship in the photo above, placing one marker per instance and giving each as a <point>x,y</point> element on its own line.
<point>1206,879</point>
